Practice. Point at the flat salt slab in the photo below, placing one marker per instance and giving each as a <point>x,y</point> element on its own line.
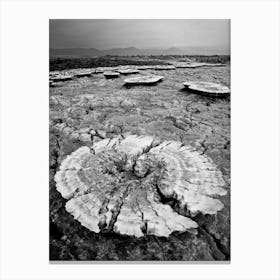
<point>165,67</point>
<point>61,78</point>
<point>105,69</point>
<point>83,74</point>
<point>144,67</point>
<point>190,65</point>
<point>182,65</point>
<point>53,74</point>
<point>215,64</point>
<point>128,71</point>
<point>196,64</point>
<point>54,84</point>
<point>111,74</point>
<point>143,80</point>
<point>207,88</point>
<point>188,83</point>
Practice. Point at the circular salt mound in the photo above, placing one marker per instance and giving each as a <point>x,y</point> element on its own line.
<point>128,71</point>
<point>208,88</point>
<point>143,80</point>
<point>111,74</point>
<point>118,185</point>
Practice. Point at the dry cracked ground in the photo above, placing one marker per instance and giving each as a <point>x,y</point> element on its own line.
<point>86,110</point>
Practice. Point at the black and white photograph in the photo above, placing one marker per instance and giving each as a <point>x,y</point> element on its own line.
<point>139,140</point>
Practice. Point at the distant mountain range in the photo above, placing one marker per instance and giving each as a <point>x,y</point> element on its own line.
<point>89,52</point>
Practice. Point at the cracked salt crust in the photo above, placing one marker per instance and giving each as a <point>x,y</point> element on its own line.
<point>117,185</point>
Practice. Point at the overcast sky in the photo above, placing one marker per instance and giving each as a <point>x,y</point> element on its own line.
<point>106,34</point>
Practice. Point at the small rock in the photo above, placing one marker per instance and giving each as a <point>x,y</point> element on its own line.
<point>67,131</point>
<point>101,133</point>
<point>64,237</point>
<point>84,130</point>
<point>74,135</point>
<point>92,132</point>
<point>85,137</point>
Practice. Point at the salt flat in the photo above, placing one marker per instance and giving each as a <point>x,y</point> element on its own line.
<point>85,110</point>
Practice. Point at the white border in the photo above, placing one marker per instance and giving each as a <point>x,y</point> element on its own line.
<point>255,138</point>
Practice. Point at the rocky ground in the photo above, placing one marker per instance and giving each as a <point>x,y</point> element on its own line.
<point>89,109</point>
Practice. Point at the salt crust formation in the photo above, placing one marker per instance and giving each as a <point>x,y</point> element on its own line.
<point>124,70</point>
<point>128,71</point>
<point>207,88</point>
<point>111,74</point>
<point>165,67</point>
<point>143,80</point>
<point>81,74</point>
<point>190,64</point>
<point>60,78</point>
<point>145,67</point>
<point>103,69</point>
<point>196,64</point>
<point>83,134</point>
<point>120,185</point>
